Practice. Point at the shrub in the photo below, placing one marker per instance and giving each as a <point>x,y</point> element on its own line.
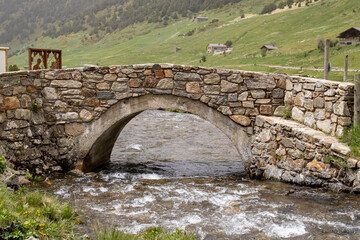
<point>3,166</point>
<point>13,68</point>
<point>228,43</point>
<point>268,8</point>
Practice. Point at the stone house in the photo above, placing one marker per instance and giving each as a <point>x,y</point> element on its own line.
<point>350,36</point>
<point>213,48</point>
<point>200,19</point>
<point>269,47</point>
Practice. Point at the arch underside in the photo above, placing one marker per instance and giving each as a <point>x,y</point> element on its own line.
<point>98,140</point>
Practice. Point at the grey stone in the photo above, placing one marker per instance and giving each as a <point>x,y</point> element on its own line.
<point>341,108</point>
<point>118,87</point>
<point>299,100</point>
<point>212,78</point>
<point>320,114</point>
<point>319,102</point>
<point>324,125</point>
<point>268,84</point>
<point>287,143</point>
<point>277,93</point>
<point>241,119</point>
<point>258,93</point>
<point>243,96</point>
<point>85,115</point>
<point>180,76</point>
<point>24,114</point>
<point>66,84</point>
<point>165,84</point>
<point>297,114</point>
<point>229,87</point>
<point>235,78</point>
<point>211,89</point>
<point>233,97</point>
<point>105,95</point>
<point>309,119</point>
<point>273,173</point>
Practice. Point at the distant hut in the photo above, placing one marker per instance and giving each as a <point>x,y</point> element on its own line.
<point>200,19</point>
<point>350,36</point>
<point>176,49</point>
<point>4,59</point>
<point>268,47</point>
<point>212,48</point>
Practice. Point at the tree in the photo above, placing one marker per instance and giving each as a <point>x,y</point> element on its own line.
<point>268,8</point>
<point>203,58</point>
<point>228,43</point>
<point>263,52</point>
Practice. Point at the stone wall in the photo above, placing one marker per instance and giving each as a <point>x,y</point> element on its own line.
<point>43,112</point>
<point>320,104</point>
<point>291,152</point>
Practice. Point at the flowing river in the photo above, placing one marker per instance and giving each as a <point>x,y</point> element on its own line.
<point>176,170</point>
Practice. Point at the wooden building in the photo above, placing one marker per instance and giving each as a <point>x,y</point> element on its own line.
<point>200,19</point>
<point>268,47</point>
<point>4,65</point>
<point>350,36</point>
<point>212,48</point>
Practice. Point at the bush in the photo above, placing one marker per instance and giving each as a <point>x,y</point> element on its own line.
<point>3,166</point>
<point>228,43</point>
<point>268,8</point>
<point>13,68</point>
<point>351,137</point>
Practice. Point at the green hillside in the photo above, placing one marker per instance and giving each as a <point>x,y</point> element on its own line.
<point>295,33</point>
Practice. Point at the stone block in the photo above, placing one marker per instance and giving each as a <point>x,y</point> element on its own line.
<point>211,89</point>
<point>103,86</point>
<point>159,74</point>
<point>212,79</point>
<point>324,126</point>
<point>235,78</point>
<point>180,76</point>
<point>241,119</point>
<point>23,114</point>
<point>119,87</point>
<point>344,121</point>
<point>258,93</point>
<point>229,87</point>
<point>134,82</point>
<point>165,83</point>
<point>248,104</point>
<point>168,73</point>
<point>11,103</point>
<point>66,84</point>
<point>193,87</point>
<point>341,108</point>
<point>309,104</point>
<point>299,100</point>
<point>110,77</point>
<point>266,109</point>
<point>319,102</point>
<point>297,114</point>
<point>256,83</point>
<point>105,94</point>
<point>309,119</point>
<point>233,97</point>
<point>85,115</point>
<point>150,82</point>
<point>319,114</point>
<point>277,93</point>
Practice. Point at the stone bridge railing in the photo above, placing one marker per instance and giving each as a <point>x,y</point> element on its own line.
<point>43,113</point>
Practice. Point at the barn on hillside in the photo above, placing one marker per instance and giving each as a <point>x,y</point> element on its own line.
<point>350,36</point>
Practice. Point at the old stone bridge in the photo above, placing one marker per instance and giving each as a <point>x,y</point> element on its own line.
<point>58,120</point>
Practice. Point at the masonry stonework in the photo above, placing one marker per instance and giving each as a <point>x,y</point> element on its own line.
<point>44,113</point>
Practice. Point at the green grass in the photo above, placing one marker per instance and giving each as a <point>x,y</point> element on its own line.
<point>25,214</point>
<point>351,137</point>
<point>153,233</point>
<point>295,32</point>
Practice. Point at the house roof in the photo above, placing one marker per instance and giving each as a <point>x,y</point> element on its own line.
<point>351,32</point>
<point>269,47</point>
<point>216,45</point>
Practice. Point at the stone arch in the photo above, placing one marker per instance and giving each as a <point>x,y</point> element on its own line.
<point>96,143</point>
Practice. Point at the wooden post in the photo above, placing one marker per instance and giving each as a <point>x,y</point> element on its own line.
<point>346,61</point>
<point>357,100</point>
<point>326,61</point>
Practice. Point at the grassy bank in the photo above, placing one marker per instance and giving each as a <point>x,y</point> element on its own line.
<point>25,214</point>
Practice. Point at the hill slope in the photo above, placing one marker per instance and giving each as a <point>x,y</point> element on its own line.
<point>294,31</point>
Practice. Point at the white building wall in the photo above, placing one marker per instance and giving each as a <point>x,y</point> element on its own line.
<point>2,61</point>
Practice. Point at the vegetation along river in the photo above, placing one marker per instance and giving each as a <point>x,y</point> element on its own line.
<point>178,171</point>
